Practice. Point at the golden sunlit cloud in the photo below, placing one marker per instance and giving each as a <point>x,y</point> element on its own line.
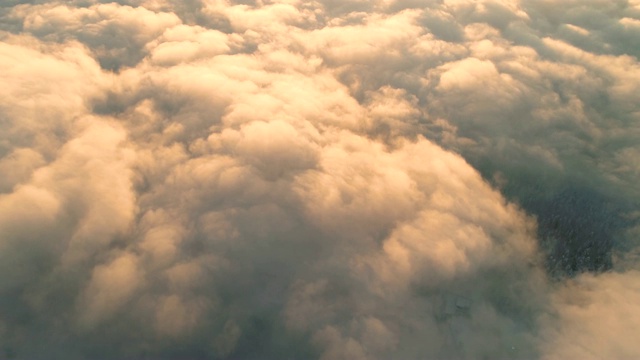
<point>217,179</point>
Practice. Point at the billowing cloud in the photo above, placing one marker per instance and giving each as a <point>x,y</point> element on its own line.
<point>284,179</point>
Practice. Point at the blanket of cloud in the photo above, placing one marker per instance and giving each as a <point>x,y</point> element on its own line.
<point>410,179</point>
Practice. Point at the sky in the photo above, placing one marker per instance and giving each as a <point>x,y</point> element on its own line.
<point>239,179</point>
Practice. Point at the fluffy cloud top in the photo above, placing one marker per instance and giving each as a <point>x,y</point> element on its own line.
<point>337,180</point>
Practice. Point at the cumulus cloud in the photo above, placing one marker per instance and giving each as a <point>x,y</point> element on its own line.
<point>225,179</point>
<point>589,308</point>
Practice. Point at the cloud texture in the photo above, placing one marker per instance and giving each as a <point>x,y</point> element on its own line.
<point>334,180</point>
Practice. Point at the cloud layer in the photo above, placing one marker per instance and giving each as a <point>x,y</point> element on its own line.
<point>332,180</point>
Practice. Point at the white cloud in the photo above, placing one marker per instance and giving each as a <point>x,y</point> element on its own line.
<point>267,179</point>
<point>598,318</point>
